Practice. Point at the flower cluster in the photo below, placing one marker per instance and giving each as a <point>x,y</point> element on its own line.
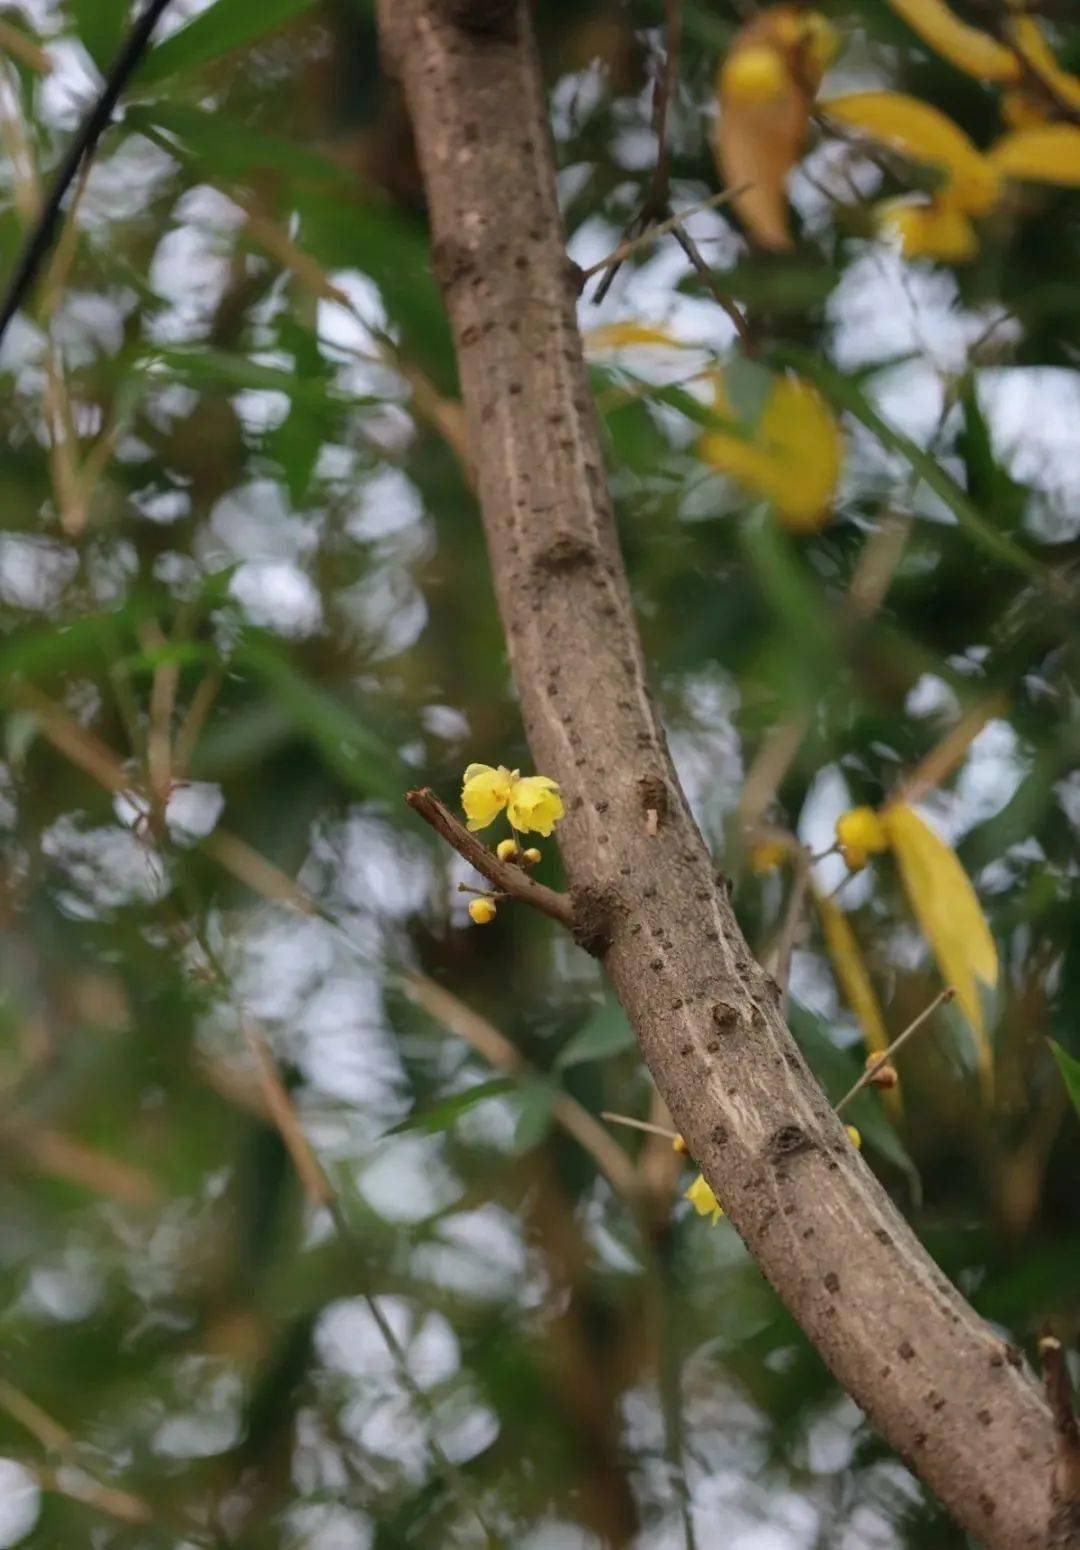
<point>531,802</point>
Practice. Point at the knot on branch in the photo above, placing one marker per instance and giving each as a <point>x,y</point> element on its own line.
<point>566,552</point>
<point>594,917</point>
<point>492,19</point>
<point>787,1142</point>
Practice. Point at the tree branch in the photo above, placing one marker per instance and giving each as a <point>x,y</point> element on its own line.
<point>931,1375</point>
<point>504,876</point>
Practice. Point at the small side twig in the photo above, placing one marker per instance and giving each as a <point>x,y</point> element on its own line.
<point>789,929</point>
<point>901,1038</point>
<point>507,879</point>
<point>1059,1397</point>
<point>734,312</point>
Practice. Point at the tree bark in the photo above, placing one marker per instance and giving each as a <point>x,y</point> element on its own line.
<point>944,1390</point>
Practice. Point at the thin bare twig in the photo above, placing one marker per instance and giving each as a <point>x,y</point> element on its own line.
<point>789,927</point>
<point>901,1038</point>
<point>660,229</point>
<point>734,312</point>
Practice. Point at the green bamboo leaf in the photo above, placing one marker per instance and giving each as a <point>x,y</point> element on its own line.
<point>606,1032</point>
<point>226,25</point>
<point>445,1114</point>
<point>101,25</point>
<point>1069,1067</point>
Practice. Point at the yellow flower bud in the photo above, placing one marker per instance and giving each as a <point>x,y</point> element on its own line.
<point>530,856</point>
<point>860,834</point>
<point>506,850</point>
<point>754,74</point>
<point>854,1137</point>
<point>885,1075</point>
<point>679,1146</point>
<point>703,1200</point>
<point>482,911</point>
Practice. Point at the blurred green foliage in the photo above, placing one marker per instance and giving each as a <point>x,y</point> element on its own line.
<point>245,603</point>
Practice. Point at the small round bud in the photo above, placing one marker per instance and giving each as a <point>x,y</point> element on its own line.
<point>530,856</point>
<point>860,834</point>
<point>482,911</point>
<point>885,1075</point>
<point>679,1145</point>
<point>507,850</point>
<point>854,1137</point>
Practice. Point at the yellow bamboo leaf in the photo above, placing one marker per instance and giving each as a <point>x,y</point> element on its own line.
<point>933,230</point>
<point>923,133</point>
<point>622,336</point>
<point>1028,39</point>
<point>969,48</point>
<point>792,455</point>
<point>843,948</point>
<point>764,88</point>
<point>948,910</point>
<point>1046,153</point>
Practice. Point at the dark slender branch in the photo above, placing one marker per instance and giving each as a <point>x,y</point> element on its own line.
<point>657,203</point>
<point>742,327</point>
<point>506,877</point>
<point>1060,1398</point>
<point>655,207</point>
<point>40,240</point>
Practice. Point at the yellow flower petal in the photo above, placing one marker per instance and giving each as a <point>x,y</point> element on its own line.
<point>854,1137</point>
<point>967,47</point>
<point>703,1200</point>
<point>1045,153</point>
<point>948,910</point>
<point>923,133</point>
<point>935,230</point>
<point>621,336</point>
<point>535,803</point>
<point>484,794</point>
<point>862,831</point>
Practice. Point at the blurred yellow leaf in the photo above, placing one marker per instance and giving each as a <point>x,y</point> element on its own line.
<point>792,455</point>
<point>621,336</point>
<point>969,48</point>
<point>936,229</point>
<point>854,977</point>
<point>924,134</point>
<point>765,86</point>
<point>947,909</point>
<point>1045,153</point>
<point>1027,36</point>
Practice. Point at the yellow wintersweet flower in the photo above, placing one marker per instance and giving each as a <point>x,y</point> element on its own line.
<point>535,803</point>
<point>485,793</point>
<point>532,802</point>
<point>703,1200</point>
<point>860,834</point>
<point>854,1137</point>
<point>755,74</point>
<point>482,911</point>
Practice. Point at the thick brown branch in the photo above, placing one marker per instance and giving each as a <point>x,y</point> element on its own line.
<point>1060,1397</point>
<point>506,877</point>
<point>931,1375</point>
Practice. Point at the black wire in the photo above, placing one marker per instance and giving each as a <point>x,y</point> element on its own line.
<point>37,245</point>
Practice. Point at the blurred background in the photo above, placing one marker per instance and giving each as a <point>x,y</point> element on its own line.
<point>311,1234</point>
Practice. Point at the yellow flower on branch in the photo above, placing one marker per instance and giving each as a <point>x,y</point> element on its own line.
<point>485,793</point>
<point>531,802</point>
<point>703,1200</point>
<point>535,803</point>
